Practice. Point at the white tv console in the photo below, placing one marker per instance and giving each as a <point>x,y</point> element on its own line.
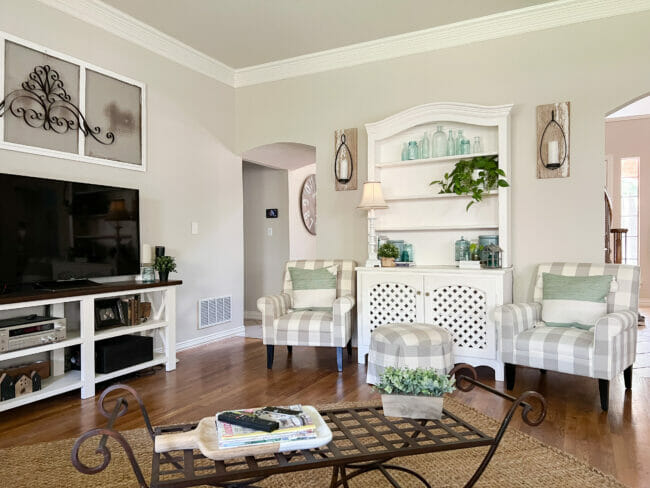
<point>162,296</point>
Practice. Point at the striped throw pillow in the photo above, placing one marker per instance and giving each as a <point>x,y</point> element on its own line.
<point>314,289</point>
<point>574,301</point>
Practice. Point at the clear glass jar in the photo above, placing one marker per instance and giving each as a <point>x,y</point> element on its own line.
<point>439,143</point>
<point>462,249</point>
<point>465,146</point>
<point>413,150</point>
<point>425,147</point>
<point>477,147</point>
<point>451,143</point>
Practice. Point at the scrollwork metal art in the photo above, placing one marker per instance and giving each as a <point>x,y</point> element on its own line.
<point>42,102</point>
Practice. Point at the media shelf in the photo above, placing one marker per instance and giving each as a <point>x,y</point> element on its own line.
<point>162,296</point>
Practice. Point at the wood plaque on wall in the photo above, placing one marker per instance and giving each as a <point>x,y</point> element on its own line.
<point>560,113</point>
<point>341,151</point>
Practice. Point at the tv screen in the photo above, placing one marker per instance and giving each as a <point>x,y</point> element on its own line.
<point>60,230</point>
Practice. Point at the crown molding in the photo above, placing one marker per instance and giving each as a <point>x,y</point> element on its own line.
<point>123,25</point>
<point>504,24</point>
<point>530,19</point>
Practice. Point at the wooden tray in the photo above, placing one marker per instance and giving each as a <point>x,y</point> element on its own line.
<point>204,438</point>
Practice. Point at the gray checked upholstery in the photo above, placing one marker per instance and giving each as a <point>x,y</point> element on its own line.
<point>283,326</point>
<point>409,345</point>
<point>601,352</point>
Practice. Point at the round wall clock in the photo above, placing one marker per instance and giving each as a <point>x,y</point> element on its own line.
<point>308,204</point>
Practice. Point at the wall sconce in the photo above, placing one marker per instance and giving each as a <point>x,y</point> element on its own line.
<point>345,159</point>
<point>343,162</point>
<point>553,140</point>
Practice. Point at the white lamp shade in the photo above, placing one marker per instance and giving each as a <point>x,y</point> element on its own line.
<point>372,196</point>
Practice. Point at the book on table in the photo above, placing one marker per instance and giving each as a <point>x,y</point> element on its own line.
<point>291,428</point>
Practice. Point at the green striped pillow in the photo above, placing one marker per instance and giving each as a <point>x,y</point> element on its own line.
<point>574,301</point>
<point>314,289</point>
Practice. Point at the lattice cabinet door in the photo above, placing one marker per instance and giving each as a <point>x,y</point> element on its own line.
<point>389,298</point>
<point>464,307</point>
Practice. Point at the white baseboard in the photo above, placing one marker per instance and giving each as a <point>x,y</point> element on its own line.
<point>207,339</point>
<point>253,315</point>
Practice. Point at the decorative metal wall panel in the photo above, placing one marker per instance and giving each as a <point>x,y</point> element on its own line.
<point>462,310</point>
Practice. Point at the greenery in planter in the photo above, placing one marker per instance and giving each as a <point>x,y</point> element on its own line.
<point>419,382</point>
<point>461,181</point>
<point>388,250</point>
<point>165,264</point>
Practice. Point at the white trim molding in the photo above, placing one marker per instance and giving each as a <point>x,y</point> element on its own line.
<point>253,315</point>
<point>207,339</point>
<point>514,22</point>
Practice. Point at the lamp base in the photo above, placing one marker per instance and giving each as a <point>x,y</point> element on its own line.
<point>373,263</point>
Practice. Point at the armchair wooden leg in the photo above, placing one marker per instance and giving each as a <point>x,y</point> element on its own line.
<point>349,346</point>
<point>290,350</point>
<point>339,358</point>
<point>542,371</point>
<point>510,376</point>
<point>603,388</point>
<point>269,356</point>
<point>627,376</point>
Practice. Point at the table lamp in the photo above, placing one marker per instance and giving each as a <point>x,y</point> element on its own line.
<point>372,198</point>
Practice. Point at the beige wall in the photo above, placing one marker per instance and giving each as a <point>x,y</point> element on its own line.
<point>192,173</point>
<point>264,255</point>
<point>631,138</point>
<point>555,219</point>
<point>302,244</point>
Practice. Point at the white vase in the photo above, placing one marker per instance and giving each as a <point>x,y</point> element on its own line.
<point>412,407</point>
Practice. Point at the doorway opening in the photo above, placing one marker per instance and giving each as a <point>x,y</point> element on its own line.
<point>274,229</point>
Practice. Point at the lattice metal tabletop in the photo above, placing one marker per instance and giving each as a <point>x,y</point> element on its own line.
<point>363,440</point>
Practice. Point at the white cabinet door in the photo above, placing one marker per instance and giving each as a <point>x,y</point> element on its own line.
<point>464,305</point>
<point>389,297</point>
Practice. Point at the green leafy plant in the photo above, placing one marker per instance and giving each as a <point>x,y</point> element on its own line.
<point>388,250</point>
<point>420,382</point>
<point>165,264</point>
<point>462,181</point>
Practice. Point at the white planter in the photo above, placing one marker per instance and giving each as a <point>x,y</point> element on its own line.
<point>412,407</point>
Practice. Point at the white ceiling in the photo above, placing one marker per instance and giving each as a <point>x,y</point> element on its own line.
<point>243,33</point>
<point>282,155</point>
<point>634,109</point>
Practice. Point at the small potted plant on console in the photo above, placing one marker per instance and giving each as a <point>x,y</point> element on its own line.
<point>413,393</point>
<point>388,253</point>
<point>164,265</point>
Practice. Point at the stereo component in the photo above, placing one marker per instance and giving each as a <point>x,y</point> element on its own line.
<point>29,331</point>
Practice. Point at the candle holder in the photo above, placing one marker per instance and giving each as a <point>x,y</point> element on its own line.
<point>343,162</point>
<point>551,136</point>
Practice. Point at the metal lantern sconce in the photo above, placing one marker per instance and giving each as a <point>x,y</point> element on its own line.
<point>343,162</point>
<point>552,136</point>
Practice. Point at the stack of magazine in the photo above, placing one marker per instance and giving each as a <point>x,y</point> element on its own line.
<point>292,428</point>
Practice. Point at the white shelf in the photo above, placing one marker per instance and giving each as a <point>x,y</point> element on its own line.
<point>54,385</point>
<point>434,196</point>
<point>72,339</point>
<point>129,329</point>
<point>158,358</point>
<point>445,159</point>
<point>437,228</point>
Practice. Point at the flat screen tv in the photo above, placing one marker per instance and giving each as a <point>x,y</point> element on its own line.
<point>55,231</point>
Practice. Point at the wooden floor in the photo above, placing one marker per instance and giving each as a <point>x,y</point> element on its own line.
<point>232,373</point>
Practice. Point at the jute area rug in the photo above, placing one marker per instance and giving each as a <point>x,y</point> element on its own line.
<point>520,461</point>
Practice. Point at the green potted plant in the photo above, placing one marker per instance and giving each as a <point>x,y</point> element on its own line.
<point>473,177</point>
<point>388,253</point>
<point>413,393</point>
<point>164,265</point>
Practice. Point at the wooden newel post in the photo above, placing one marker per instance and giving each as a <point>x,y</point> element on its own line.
<point>618,244</point>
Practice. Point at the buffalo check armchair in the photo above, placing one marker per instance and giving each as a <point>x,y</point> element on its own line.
<point>601,352</point>
<point>281,325</point>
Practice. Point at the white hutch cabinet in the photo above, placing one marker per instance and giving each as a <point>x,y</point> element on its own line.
<point>436,291</point>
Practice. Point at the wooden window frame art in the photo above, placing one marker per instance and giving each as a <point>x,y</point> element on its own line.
<point>83,66</point>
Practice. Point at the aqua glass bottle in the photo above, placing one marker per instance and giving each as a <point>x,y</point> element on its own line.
<point>462,250</point>
<point>439,143</point>
<point>413,150</point>
<point>459,142</point>
<point>451,144</point>
<point>405,151</point>
<point>466,146</point>
<point>425,147</point>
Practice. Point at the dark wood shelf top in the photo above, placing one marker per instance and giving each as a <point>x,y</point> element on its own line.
<point>116,286</point>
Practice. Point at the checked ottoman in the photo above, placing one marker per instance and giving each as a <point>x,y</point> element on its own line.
<point>411,345</point>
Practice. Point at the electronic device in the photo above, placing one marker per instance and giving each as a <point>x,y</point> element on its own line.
<point>284,411</point>
<point>56,232</point>
<point>121,352</point>
<point>249,421</point>
<point>29,331</point>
